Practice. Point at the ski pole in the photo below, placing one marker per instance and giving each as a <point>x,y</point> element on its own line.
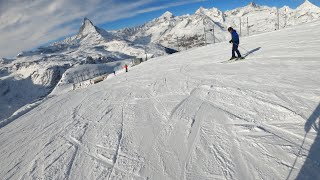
<point>243,48</point>
<point>295,161</point>
<point>247,52</point>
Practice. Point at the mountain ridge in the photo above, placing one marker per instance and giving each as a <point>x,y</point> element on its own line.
<point>261,19</point>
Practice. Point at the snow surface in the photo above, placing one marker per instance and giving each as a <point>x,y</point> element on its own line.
<point>32,75</point>
<point>189,115</point>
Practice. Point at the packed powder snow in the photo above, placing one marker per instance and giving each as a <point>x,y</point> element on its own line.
<point>183,116</point>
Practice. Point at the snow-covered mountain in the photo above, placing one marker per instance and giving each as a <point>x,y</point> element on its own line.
<point>97,42</point>
<point>188,31</point>
<point>34,74</point>
<point>188,116</point>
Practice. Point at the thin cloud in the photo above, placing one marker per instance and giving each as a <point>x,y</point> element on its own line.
<point>27,24</point>
<point>167,6</point>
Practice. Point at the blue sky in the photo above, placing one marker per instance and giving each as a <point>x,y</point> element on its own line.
<point>26,24</point>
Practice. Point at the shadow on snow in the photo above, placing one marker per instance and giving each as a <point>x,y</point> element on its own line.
<point>311,167</point>
<point>252,51</point>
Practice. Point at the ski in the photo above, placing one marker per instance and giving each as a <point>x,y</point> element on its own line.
<point>233,60</point>
<point>241,58</point>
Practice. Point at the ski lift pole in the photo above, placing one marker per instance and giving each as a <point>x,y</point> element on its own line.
<point>214,38</point>
<point>248,25</point>
<point>240,28</point>
<point>278,18</point>
<point>208,18</point>
<point>178,42</point>
<point>205,36</point>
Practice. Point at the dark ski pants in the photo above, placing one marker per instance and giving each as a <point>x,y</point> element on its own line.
<point>235,49</point>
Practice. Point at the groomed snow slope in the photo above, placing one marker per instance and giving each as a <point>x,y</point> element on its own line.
<point>183,116</point>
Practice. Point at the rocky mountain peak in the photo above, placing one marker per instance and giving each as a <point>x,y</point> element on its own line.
<point>307,5</point>
<point>253,4</point>
<point>285,9</point>
<point>200,10</point>
<point>87,27</point>
<point>166,15</point>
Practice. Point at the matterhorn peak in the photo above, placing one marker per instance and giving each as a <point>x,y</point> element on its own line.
<point>87,27</point>
<point>87,22</point>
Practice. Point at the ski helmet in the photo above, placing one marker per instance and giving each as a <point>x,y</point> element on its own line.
<point>230,29</point>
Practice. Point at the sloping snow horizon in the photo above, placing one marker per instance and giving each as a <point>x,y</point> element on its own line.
<point>190,115</point>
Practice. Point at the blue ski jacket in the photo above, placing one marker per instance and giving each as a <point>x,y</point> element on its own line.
<point>235,37</point>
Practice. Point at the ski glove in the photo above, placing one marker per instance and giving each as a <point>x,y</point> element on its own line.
<point>230,41</point>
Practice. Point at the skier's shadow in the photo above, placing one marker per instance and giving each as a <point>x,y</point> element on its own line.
<point>311,167</point>
<point>252,51</point>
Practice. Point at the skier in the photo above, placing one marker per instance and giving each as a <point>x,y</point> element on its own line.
<point>126,67</point>
<point>235,43</point>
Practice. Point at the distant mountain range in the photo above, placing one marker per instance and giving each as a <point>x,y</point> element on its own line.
<point>168,28</point>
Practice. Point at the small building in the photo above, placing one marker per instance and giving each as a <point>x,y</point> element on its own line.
<point>99,79</point>
<point>141,58</point>
<point>137,61</point>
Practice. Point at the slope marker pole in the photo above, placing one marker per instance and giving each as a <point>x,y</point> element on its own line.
<point>278,19</point>
<point>240,27</point>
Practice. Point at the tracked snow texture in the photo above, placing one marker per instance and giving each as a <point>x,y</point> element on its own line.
<point>32,76</point>
<point>183,116</point>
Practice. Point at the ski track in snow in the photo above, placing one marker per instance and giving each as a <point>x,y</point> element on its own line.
<point>184,116</point>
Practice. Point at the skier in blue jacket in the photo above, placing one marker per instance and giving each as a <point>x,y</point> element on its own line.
<point>235,43</point>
